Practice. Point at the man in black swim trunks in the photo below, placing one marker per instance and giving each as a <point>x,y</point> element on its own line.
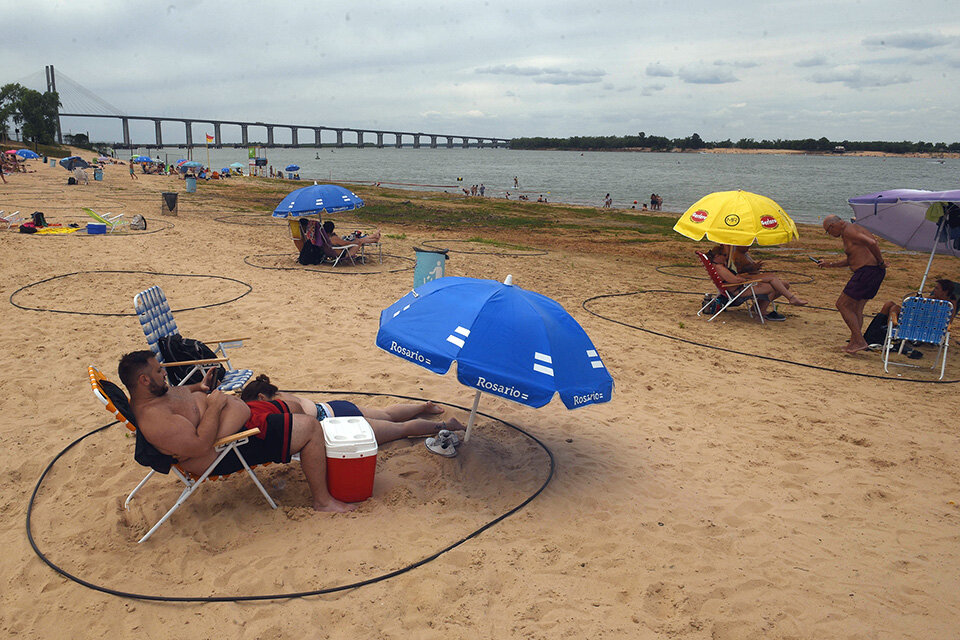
<point>184,422</point>
<point>864,259</point>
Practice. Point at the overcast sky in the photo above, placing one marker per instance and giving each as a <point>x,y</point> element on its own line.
<point>860,70</point>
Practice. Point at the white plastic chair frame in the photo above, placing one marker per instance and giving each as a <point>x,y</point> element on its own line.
<point>723,289</point>
<point>11,219</point>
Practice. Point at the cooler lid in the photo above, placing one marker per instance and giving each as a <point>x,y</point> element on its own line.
<point>348,437</point>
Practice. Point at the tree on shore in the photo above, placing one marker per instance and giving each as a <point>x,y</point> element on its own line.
<point>33,112</point>
<point>661,143</point>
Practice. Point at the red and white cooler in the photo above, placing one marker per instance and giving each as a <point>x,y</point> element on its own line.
<point>351,458</point>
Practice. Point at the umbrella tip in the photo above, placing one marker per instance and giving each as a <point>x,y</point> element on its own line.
<point>508,279</point>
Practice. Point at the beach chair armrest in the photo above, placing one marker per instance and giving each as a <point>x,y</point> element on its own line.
<point>210,361</point>
<point>745,283</point>
<point>226,341</point>
<point>237,436</point>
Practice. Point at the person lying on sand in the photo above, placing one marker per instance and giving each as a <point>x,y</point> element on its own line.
<point>389,423</point>
<point>770,286</point>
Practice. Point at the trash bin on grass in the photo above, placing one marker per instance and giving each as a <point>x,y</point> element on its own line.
<point>431,264</point>
<point>169,204</point>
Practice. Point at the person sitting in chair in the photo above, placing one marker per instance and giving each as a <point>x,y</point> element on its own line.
<point>390,423</point>
<point>744,263</point>
<point>337,241</point>
<point>771,287</point>
<point>876,333</point>
<point>184,422</point>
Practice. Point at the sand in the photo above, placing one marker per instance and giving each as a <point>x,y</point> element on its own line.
<point>718,495</point>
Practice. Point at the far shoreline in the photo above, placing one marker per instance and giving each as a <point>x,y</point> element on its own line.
<point>793,152</point>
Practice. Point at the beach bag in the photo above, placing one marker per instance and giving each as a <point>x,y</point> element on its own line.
<point>176,348</point>
<point>310,254</point>
<point>139,223</point>
<point>38,220</point>
<point>71,180</point>
<point>876,332</point>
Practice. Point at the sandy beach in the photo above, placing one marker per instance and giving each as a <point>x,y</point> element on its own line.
<point>745,481</point>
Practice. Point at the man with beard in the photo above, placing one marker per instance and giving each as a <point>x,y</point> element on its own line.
<point>184,422</point>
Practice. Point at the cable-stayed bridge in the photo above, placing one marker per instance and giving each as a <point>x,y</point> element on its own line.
<point>79,102</point>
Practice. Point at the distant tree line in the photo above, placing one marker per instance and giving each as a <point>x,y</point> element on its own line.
<point>661,143</point>
<point>32,112</point>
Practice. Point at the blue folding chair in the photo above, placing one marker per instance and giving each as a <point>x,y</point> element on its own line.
<point>925,320</point>
<point>156,320</point>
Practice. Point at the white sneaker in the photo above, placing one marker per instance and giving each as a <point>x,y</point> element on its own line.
<point>443,444</point>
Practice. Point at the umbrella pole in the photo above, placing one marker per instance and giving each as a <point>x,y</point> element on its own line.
<point>933,250</point>
<point>473,417</point>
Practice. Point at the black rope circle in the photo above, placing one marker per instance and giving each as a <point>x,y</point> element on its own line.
<point>294,594</point>
<point>528,253</point>
<point>122,233</point>
<point>340,269</point>
<point>734,351</point>
<point>249,220</point>
<point>152,273</point>
<point>664,270</point>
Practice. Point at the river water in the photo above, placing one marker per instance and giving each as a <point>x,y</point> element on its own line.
<point>807,187</point>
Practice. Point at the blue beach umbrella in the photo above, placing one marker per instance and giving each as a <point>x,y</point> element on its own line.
<point>292,167</point>
<point>225,170</point>
<point>74,162</point>
<point>237,165</point>
<point>27,154</point>
<point>507,341</point>
<point>317,199</point>
<point>141,159</point>
<point>191,164</point>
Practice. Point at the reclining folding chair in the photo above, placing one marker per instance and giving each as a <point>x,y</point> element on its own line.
<point>332,252</point>
<point>113,221</point>
<point>725,296</point>
<point>156,320</point>
<point>116,402</point>
<point>921,320</point>
<point>11,219</point>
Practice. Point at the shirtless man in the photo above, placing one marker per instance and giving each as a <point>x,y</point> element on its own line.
<point>184,422</point>
<point>864,259</point>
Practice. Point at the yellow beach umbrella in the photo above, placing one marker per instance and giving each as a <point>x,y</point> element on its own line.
<point>738,218</point>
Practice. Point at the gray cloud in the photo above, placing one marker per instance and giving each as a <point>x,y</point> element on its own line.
<point>739,64</point>
<point>546,75</point>
<point>815,61</point>
<point>657,70</point>
<point>855,78</point>
<point>651,89</point>
<point>700,75</point>
<point>916,41</point>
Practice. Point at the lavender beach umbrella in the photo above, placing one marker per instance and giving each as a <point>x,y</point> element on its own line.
<point>913,219</point>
